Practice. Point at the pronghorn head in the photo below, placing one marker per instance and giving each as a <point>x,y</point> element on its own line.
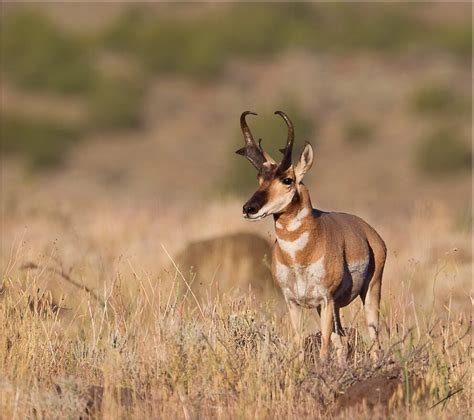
<point>278,182</point>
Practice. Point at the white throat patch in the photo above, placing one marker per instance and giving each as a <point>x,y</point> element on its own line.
<point>292,247</point>
<point>296,222</point>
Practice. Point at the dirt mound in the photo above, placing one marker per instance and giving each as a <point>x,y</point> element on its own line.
<point>379,393</point>
<point>237,264</point>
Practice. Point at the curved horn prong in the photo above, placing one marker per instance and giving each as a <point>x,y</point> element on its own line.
<point>287,150</point>
<point>245,128</point>
<point>251,150</point>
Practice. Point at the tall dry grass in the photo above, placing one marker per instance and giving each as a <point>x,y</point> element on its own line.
<point>122,343</point>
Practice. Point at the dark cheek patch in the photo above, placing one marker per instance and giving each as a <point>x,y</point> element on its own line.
<point>260,197</point>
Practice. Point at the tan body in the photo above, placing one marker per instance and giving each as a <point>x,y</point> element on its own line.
<point>324,260</point>
<point>320,260</point>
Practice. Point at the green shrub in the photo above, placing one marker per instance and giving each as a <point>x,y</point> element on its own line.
<point>385,27</point>
<point>455,38</point>
<point>200,47</point>
<point>358,132</point>
<point>351,27</point>
<point>116,104</point>
<point>38,56</point>
<point>443,152</point>
<point>440,99</point>
<point>43,143</point>
<point>167,45</point>
<point>241,178</point>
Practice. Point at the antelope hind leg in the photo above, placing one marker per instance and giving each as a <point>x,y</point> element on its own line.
<point>371,302</point>
<point>337,337</point>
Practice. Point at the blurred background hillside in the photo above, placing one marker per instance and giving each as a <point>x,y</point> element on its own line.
<point>119,125</point>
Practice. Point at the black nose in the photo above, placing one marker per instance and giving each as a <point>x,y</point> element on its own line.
<point>250,209</point>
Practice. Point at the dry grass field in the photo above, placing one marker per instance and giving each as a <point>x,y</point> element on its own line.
<point>92,326</point>
<point>102,313</point>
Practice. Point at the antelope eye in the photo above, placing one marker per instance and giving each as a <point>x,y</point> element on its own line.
<point>287,181</point>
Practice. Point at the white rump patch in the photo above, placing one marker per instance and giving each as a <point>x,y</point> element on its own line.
<point>296,222</point>
<point>292,247</point>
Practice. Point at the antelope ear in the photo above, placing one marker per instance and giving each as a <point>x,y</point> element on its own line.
<point>305,163</point>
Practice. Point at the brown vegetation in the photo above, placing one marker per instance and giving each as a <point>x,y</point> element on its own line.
<point>233,265</point>
<point>91,325</point>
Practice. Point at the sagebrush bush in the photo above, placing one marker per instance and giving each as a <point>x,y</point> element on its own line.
<point>166,45</point>
<point>116,104</point>
<point>199,47</point>
<point>358,132</point>
<point>439,99</point>
<point>37,55</point>
<point>43,142</point>
<point>442,152</point>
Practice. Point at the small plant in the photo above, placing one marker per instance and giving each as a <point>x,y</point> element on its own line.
<point>443,152</point>
<point>358,132</point>
<point>42,142</point>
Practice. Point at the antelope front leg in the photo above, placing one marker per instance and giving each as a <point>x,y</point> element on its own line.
<point>296,316</point>
<point>327,323</point>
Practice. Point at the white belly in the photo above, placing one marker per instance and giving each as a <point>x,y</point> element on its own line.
<point>303,284</point>
<point>354,279</point>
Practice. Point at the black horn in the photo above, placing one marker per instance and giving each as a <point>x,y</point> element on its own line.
<point>251,150</point>
<point>287,150</point>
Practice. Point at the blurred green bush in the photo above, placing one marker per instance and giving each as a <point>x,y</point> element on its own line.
<point>443,152</point>
<point>201,46</point>
<point>166,45</point>
<point>36,55</point>
<point>358,132</point>
<point>115,104</point>
<point>438,99</point>
<point>241,177</point>
<point>43,142</point>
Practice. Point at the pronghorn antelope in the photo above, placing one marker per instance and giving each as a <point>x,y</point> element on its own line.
<point>321,260</point>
